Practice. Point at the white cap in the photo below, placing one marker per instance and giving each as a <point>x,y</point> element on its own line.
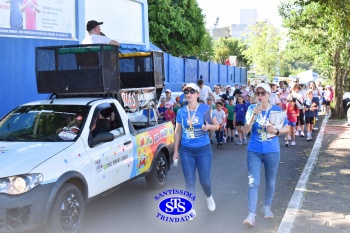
<point>192,86</point>
<point>264,86</point>
<point>275,83</point>
<point>228,86</point>
<point>168,90</point>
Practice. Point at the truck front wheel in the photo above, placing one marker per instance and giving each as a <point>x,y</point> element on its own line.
<point>159,174</point>
<point>68,210</point>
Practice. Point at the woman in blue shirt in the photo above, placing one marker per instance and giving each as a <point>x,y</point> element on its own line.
<point>192,142</point>
<point>263,148</point>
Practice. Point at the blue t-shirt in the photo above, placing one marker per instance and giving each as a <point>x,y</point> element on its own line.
<point>258,143</point>
<point>201,138</point>
<point>308,103</point>
<point>183,101</point>
<point>241,110</point>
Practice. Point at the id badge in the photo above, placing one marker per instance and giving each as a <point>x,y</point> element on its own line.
<point>191,134</point>
<point>191,129</point>
<point>264,136</point>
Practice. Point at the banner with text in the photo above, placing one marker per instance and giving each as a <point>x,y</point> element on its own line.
<point>38,18</point>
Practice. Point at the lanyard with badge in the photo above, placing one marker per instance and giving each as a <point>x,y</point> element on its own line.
<point>190,121</point>
<point>263,122</point>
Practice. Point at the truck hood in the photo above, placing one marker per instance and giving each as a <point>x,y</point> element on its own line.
<point>21,157</point>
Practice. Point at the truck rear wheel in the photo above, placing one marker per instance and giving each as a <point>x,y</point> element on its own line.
<point>159,174</point>
<point>68,211</point>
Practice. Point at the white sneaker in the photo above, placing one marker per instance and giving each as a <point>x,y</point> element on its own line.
<point>309,138</point>
<point>302,134</point>
<point>293,143</point>
<point>267,212</point>
<point>286,144</point>
<point>211,203</point>
<point>297,133</point>
<point>250,220</point>
<point>193,212</point>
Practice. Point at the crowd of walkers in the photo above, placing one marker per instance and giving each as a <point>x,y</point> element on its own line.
<point>202,115</point>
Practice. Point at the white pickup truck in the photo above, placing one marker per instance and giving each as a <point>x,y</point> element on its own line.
<point>58,154</point>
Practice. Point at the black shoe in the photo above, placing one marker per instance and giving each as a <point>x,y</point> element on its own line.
<point>220,145</point>
<point>236,135</point>
<point>249,133</point>
<point>232,140</point>
<point>228,139</point>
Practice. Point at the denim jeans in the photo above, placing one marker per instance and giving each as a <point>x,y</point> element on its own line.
<point>219,135</point>
<point>200,158</point>
<point>254,162</point>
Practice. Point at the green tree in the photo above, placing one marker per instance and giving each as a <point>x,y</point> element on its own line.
<point>324,27</point>
<point>225,47</point>
<point>262,42</point>
<point>178,27</point>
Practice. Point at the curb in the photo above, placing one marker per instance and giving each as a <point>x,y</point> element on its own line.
<point>298,196</point>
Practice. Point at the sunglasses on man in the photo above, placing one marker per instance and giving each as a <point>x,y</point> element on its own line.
<point>192,91</point>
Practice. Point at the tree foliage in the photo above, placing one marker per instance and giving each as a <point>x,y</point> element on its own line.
<point>262,41</point>
<point>225,47</point>
<point>178,27</point>
<point>320,30</point>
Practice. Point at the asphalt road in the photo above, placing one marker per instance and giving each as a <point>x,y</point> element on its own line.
<point>133,209</point>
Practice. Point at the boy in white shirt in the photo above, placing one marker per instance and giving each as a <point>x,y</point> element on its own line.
<point>220,117</point>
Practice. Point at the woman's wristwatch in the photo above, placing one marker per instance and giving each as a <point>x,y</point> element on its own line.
<point>277,133</point>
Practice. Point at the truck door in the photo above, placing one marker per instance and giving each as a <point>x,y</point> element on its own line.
<point>111,162</point>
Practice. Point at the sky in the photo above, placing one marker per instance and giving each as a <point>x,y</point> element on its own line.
<point>228,11</point>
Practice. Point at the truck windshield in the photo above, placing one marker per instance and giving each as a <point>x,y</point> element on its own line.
<point>44,123</point>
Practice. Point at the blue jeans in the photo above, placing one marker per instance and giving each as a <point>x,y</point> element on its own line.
<point>254,162</point>
<point>200,158</point>
<point>219,135</point>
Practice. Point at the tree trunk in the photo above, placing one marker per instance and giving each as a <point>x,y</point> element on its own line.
<point>338,86</point>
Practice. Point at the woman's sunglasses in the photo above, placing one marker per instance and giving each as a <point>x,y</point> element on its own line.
<point>192,91</point>
<point>260,93</point>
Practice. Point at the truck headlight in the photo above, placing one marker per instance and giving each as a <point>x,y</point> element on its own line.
<point>15,185</point>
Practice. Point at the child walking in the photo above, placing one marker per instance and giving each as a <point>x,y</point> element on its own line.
<point>239,120</point>
<point>220,117</point>
<point>229,123</point>
<point>292,112</point>
<point>310,106</point>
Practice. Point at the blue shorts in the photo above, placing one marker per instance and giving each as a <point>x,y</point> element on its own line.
<point>292,123</point>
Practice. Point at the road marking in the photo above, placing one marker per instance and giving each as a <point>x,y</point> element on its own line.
<point>298,196</point>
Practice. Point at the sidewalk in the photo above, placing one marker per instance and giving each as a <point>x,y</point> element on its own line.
<point>321,200</point>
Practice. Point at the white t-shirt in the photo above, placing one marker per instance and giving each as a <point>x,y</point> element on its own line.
<point>217,96</point>
<point>96,39</point>
<point>220,115</point>
<point>274,99</point>
<point>204,92</point>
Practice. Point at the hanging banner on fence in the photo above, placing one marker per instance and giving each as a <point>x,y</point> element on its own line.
<point>38,18</point>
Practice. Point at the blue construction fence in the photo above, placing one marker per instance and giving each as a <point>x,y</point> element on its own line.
<point>186,70</point>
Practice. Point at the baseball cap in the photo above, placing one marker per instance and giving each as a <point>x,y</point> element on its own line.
<point>274,83</point>
<point>168,105</point>
<point>264,86</point>
<point>168,90</point>
<point>228,86</point>
<point>92,24</point>
<point>224,96</point>
<point>192,86</point>
<point>209,98</point>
